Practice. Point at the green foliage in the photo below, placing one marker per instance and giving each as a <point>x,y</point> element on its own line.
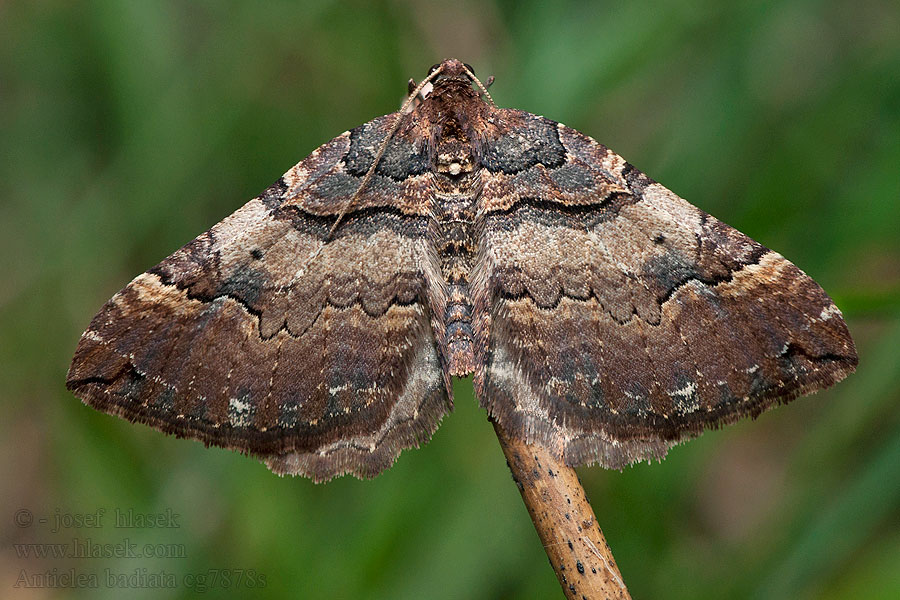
<point>127,128</point>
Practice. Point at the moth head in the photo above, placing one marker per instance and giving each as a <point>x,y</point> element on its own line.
<point>453,70</point>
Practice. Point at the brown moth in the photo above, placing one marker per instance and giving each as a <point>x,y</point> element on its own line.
<point>319,326</point>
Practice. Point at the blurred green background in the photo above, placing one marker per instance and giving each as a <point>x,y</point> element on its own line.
<point>127,128</point>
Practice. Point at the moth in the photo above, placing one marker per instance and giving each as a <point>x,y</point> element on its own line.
<point>319,326</point>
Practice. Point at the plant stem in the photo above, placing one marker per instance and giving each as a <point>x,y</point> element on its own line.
<point>564,520</point>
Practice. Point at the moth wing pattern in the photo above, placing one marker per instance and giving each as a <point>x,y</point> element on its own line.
<point>625,320</point>
<point>237,341</point>
<point>319,326</point>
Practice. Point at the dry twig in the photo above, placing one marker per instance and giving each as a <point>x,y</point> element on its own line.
<point>564,521</point>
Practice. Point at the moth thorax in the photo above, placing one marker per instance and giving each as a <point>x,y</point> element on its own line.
<point>454,158</point>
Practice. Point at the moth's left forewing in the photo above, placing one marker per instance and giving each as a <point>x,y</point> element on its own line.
<point>627,320</point>
<point>269,335</point>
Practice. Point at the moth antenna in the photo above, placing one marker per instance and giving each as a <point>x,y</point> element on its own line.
<point>480,85</point>
<point>424,92</point>
<point>381,149</point>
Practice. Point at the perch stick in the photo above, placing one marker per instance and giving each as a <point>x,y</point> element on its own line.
<point>564,521</point>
